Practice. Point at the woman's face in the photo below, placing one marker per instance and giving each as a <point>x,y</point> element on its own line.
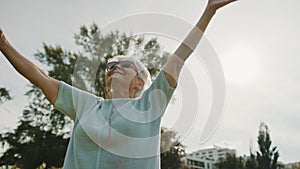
<point>121,75</point>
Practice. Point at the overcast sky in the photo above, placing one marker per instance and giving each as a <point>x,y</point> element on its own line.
<point>257,42</point>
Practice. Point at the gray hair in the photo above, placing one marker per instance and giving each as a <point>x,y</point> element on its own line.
<point>143,72</point>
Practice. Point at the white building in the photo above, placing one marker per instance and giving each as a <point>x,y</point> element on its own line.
<point>199,162</point>
<point>206,158</point>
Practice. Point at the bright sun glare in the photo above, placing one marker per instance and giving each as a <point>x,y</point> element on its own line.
<point>240,65</point>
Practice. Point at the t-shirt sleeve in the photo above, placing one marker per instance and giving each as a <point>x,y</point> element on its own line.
<point>156,98</point>
<point>161,84</point>
<point>71,100</point>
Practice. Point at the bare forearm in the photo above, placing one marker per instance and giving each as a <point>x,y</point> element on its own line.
<point>193,38</point>
<point>29,70</point>
<point>185,49</point>
<point>25,67</point>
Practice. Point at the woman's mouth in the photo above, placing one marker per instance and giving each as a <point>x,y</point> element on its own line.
<point>117,72</point>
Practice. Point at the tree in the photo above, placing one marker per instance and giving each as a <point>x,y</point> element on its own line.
<point>296,166</point>
<point>266,156</point>
<point>171,151</point>
<point>4,95</point>
<point>230,162</point>
<point>42,134</point>
<point>251,163</point>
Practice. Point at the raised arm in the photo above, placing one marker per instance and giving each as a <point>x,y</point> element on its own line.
<point>185,49</point>
<point>29,70</point>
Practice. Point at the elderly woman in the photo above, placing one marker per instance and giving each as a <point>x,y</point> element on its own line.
<point>121,131</point>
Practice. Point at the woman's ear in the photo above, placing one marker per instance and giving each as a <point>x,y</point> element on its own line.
<point>140,84</point>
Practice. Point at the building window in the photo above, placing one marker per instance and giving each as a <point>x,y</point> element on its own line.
<point>199,163</point>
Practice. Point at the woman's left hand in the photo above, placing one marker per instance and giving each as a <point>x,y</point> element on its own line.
<point>216,4</point>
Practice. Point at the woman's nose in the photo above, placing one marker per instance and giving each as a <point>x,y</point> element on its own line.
<point>118,66</point>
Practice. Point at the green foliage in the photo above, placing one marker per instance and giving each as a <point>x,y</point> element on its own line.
<point>251,163</point>
<point>29,147</point>
<point>233,162</point>
<point>4,95</point>
<point>296,166</point>
<point>230,162</point>
<point>266,157</point>
<point>171,151</point>
<point>42,134</point>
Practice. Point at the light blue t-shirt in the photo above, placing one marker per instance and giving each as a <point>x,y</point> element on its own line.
<point>114,133</point>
